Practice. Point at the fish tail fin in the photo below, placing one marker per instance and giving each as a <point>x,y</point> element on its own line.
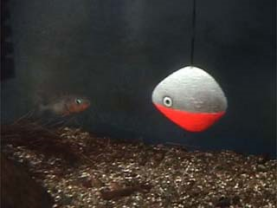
<point>40,103</point>
<point>42,107</point>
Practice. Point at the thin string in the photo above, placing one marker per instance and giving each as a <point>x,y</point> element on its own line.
<point>193,32</point>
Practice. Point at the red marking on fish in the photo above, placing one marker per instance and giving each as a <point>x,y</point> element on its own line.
<point>191,121</point>
<point>75,107</point>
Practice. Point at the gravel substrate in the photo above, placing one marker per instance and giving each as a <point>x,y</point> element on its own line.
<point>80,169</point>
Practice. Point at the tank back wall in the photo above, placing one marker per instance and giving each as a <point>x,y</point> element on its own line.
<point>116,52</point>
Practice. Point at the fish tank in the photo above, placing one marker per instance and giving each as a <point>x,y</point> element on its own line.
<point>137,104</point>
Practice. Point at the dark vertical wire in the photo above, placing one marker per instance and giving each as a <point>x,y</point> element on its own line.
<point>193,32</point>
<point>7,48</point>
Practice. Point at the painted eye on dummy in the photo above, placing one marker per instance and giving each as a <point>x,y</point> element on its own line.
<point>78,101</point>
<point>167,101</point>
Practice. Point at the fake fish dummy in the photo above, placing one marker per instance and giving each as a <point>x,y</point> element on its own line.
<point>191,98</point>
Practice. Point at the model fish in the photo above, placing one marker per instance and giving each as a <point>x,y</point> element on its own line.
<point>65,105</point>
<point>191,98</point>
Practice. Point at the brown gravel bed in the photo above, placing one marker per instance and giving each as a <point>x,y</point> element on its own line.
<point>80,169</point>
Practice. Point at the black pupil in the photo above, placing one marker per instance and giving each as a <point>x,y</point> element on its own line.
<point>167,101</point>
<point>78,101</point>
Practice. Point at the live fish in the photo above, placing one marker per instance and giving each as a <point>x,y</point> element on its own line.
<point>191,98</point>
<point>65,105</point>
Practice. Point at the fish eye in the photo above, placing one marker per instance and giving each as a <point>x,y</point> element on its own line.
<point>167,101</point>
<point>78,101</point>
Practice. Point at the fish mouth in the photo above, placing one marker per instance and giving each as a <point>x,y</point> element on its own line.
<point>190,121</point>
<point>87,103</point>
<point>85,106</point>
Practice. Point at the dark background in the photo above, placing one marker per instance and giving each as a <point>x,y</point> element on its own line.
<point>115,52</point>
